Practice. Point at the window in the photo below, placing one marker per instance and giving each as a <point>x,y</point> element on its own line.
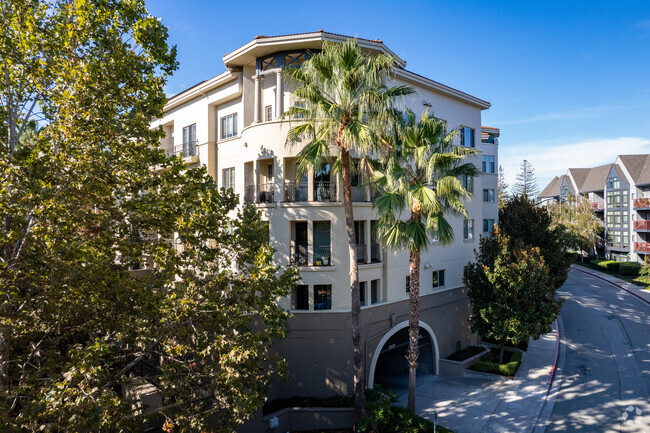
<point>268,63</point>
<point>300,297</point>
<point>487,164</point>
<point>488,195</point>
<point>468,183</point>
<point>268,113</point>
<point>189,140</point>
<point>323,297</point>
<point>438,278</point>
<point>468,229</point>
<point>467,136</point>
<point>408,284</point>
<point>374,291</point>
<point>613,183</point>
<point>322,252</point>
<point>488,225</point>
<point>229,126</point>
<point>294,59</point>
<point>229,178</point>
<point>362,293</point>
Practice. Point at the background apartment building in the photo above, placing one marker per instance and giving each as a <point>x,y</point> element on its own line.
<point>232,124</point>
<point>619,193</point>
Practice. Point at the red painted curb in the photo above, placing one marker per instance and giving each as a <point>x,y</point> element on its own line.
<point>557,352</point>
<point>613,284</point>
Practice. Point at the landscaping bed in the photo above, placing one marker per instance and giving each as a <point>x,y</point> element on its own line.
<point>465,353</point>
<point>626,271</point>
<point>490,362</point>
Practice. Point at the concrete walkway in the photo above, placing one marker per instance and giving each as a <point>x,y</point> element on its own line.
<point>491,403</point>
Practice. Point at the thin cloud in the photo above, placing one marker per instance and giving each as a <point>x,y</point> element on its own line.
<point>554,160</point>
<point>578,113</point>
<point>644,24</point>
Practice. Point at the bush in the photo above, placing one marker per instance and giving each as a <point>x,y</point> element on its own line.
<point>644,270</point>
<point>572,256</point>
<point>507,369</point>
<point>596,263</point>
<point>613,266</point>
<point>629,268</point>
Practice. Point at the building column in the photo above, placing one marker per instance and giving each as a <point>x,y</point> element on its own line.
<point>367,235</point>
<point>257,106</point>
<point>279,95</point>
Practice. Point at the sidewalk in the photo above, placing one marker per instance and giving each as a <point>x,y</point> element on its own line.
<point>638,291</point>
<point>491,404</point>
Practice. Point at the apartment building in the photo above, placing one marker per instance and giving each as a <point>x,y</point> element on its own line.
<point>619,193</point>
<point>232,125</point>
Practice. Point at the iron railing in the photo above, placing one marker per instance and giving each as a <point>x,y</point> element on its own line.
<point>265,193</point>
<point>324,191</point>
<point>361,253</point>
<point>298,253</point>
<point>295,192</point>
<point>375,253</point>
<point>358,193</point>
<point>322,255</point>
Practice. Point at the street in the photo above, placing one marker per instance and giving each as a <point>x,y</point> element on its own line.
<point>605,375</point>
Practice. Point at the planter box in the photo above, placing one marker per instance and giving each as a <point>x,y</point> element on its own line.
<point>457,368</point>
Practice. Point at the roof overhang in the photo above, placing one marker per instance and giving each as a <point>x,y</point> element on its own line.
<point>264,45</point>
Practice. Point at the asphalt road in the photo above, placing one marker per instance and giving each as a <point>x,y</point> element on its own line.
<point>605,376</point>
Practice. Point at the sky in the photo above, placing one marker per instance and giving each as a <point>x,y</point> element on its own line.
<point>569,81</point>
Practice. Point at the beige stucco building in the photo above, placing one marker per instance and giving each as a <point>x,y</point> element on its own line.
<point>232,125</point>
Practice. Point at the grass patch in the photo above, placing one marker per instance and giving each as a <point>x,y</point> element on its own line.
<point>465,353</point>
<point>490,362</point>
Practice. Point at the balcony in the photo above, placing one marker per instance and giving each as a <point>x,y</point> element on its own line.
<point>643,247</point>
<point>324,191</point>
<point>358,193</point>
<point>249,194</point>
<point>298,253</point>
<point>642,225</point>
<point>598,205</point>
<point>295,192</point>
<point>374,193</point>
<point>265,193</point>
<point>641,203</point>
<point>188,149</point>
<point>322,255</point>
<point>375,253</point>
<point>361,253</point>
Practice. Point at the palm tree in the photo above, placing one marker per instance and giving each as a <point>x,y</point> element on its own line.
<point>420,170</point>
<point>343,101</point>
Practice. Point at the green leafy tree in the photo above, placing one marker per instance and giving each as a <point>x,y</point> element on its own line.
<point>84,212</point>
<point>512,297</point>
<point>580,226</point>
<point>529,225</point>
<point>526,184</point>
<point>419,173</point>
<point>502,188</point>
<point>345,102</point>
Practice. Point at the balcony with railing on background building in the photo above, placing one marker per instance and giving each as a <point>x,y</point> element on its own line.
<point>322,255</point>
<point>295,192</point>
<point>265,193</point>
<point>643,247</point>
<point>641,203</point>
<point>361,253</point>
<point>298,253</point>
<point>642,225</point>
<point>358,193</point>
<point>598,205</point>
<point>324,191</point>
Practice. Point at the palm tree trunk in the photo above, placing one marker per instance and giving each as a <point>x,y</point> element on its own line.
<point>414,322</point>
<point>355,307</point>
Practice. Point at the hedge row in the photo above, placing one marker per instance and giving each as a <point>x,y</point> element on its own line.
<point>508,369</point>
<point>624,268</point>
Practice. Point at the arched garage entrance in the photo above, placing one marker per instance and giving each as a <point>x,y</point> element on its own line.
<point>389,367</point>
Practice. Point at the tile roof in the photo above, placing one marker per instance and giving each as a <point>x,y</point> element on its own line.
<point>553,188</point>
<point>595,179</point>
<point>638,166</point>
<point>319,31</point>
<point>579,175</point>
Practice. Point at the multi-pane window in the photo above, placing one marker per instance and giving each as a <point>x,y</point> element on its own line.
<point>294,59</point>
<point>488,225</point>
<point>613,183</point>
<point>488,195</point>
<point>300,297</point>
<point>322,297</point>
<point>487,164</point>
<point>438,278</point>
<point>468,229</point>
<point>468,183</point>
<point>467,136</point>
<point>268,113</point>
<point>229,126</point>
<point>374,291</point>
<point>362,292</point>
<point>229,178</point>
<point>189,140</point>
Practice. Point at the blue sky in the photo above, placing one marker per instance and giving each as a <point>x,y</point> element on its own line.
<point>569,81</point>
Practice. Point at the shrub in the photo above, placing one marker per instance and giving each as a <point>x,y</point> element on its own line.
<point>629,268</point>
<point>596,263</point>
<point>644,270</point>
<point>507,369</point>
<point>572,256</point>
<point>613,266</point>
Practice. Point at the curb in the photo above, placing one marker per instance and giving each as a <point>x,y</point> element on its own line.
<point>554,382</point>
<point>595,275</point>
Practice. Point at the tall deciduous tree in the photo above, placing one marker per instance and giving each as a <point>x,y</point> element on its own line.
<point>529,225</point>
<point>512,297</point>
<point>502,188</point>
<point>419,173</point>
<point>526,184</point>
<point>579,224</point>
<point>345,103</point>
<point>82,208</point>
